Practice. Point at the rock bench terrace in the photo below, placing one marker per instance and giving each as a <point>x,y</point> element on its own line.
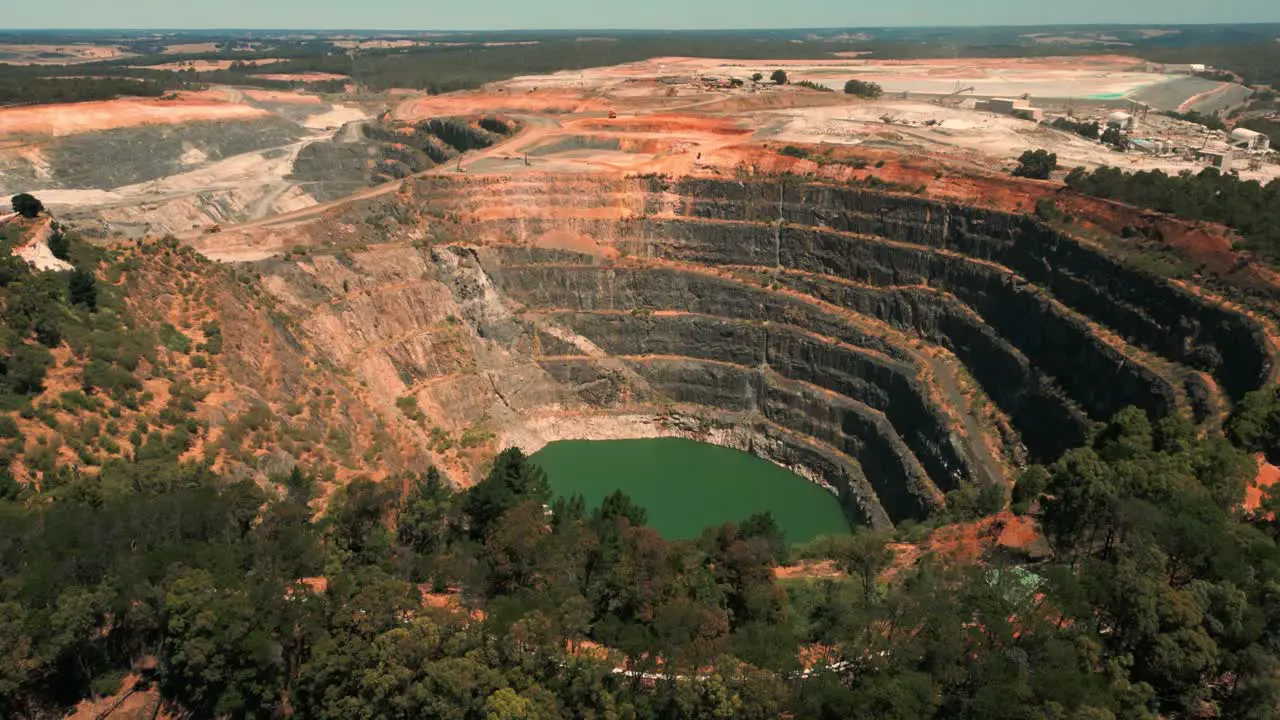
<point>890,347</point>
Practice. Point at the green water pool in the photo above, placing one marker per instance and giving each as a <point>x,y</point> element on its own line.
<point>689,486</point>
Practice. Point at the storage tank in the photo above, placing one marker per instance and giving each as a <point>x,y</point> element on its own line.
<point>1121,120</point>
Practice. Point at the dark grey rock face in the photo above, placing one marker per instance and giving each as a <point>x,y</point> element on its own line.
<point>1145,309</point>
<point>800,310</point>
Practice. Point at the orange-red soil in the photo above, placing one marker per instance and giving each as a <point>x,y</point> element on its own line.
<point>808,569</point>
<point>302,77</point>
<point>74,118</point>
<point>1268,475</point>
<point>970,542</point>
<point>277,96</point>
<point>207,65</point>
<point>465,103</point>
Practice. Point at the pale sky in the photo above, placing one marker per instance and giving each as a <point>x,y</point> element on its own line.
<point>666,14</point>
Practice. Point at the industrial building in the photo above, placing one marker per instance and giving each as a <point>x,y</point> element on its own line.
<point>1220,159</point>
<point>1185,69</point>
<point>1122,121</point>
<point>1253,141</point>
<point>1150,146</point>
<point>1020,107</point>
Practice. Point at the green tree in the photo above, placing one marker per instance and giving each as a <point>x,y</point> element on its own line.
<point>618,505</point>
<point>506,704</point>
<point>1116,139</point>
<point>25,368</point>
<point>512,481</point>
<point>60,244</point>
<point>423,521</point>
<point>863,89</point>
<point>511,548</point>
<point>1030,486</point>
<point>1082,495</point>
<point>764,526</point>
<point>83,289</point>
<point>220,658</point>
<point>864,555</point>
<point>27,205</point>
<point>10,489</point>
<point>17,663</point>
<point>357,519</point>
<point>1255,422</point>
<point>1037,164</point>
<point>779,77</point>
<point>35,301</point>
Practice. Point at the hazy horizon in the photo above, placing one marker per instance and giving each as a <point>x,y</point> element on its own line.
<point>625,29</point>
<point>507,15</point>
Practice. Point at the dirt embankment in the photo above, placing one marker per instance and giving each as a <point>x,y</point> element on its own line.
<point>472,102</point>
<point>207,65</point>
<point>1268,475</point>
<point>74,118</point>
<point>970,543</point>
<point>963,544</point>
<point>1117,62</point>
<point>133,700</point>
<point>36,249</point>
<point>302,77</point>
<point>280,96</point>
<point>72,54</point>
<point>665,123</point>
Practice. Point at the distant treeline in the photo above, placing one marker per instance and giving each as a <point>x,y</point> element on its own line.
<point>1256,63</point>
<point>445,69</point>
<point>42,84</point>
<point>1247,206</point>
<point>1245,50</point>
<point>439,69</point>
<point>1213,122</point>
<point>31,91</point>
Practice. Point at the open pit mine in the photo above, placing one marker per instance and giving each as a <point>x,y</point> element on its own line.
<point>888,346</point>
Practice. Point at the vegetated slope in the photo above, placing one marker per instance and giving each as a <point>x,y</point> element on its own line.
<point>147,356</point>
<point>1248,207</point>
<point>899,350</point>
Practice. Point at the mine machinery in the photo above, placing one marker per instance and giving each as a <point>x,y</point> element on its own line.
<point>953,98</point>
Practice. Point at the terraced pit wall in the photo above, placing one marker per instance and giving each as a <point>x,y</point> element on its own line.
<point>809,323</point>
<point>1145,310</point>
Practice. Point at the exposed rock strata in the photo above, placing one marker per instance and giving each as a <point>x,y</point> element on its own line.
<point>790,319</point>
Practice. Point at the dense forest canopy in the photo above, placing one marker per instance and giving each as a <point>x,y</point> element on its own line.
<point>1157,601</point>
<point>33,91</point>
